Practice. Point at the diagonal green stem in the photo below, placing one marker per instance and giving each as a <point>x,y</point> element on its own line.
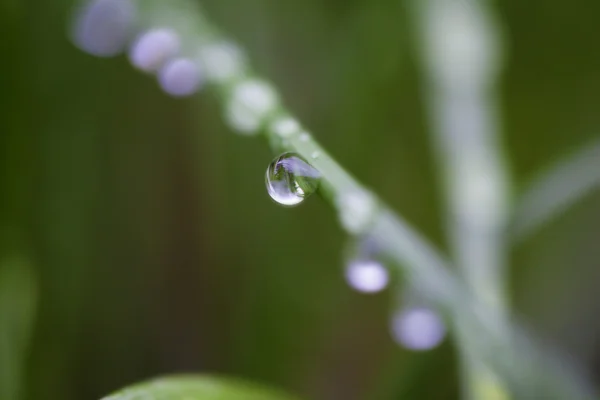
<point>252,106</point>
<point>556,190</point>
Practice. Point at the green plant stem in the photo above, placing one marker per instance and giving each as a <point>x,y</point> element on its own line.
<point>461,52</point>
<point>509,351</point>
<point>556,190</point>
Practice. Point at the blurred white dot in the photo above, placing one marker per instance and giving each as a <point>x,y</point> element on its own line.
<point>304,137</point>
<point>180,77</point>
<point>102,27</point>
<point>285,127</point>
<point>357,211</point>
<point>367,276</point>
<point>221,60</point>
<point>418,329</point>
<point>251,101</point>
<point>153,48</point>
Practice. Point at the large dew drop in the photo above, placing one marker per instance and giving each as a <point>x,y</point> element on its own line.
<point>290,179</point>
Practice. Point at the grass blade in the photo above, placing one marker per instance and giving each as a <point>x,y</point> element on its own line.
<point>198,387</point>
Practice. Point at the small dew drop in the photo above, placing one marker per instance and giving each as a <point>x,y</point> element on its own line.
<point>418,328</point>
<point>290,179</point>
<point>367,276</point>
<point>102,27</point>
<point>251,101</point>
<point>153,48</point>
<point>357,210</point>
<point>315,154</point>
<point>304,137</point>
<point>222,60</point>
<point>180,77</point>
<point>285,127</point>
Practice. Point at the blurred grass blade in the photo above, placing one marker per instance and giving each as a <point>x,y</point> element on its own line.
<point>198,387</point>
<point>557,189</point>
<point>17,309</point>
<point>361,213</point>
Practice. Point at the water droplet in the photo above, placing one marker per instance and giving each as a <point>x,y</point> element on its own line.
<point>153,48</point>
<point>367,276</point>
<point>285,127</point>
<point>315,154</point>
<point>222,60</point>
<point>357,211</point>
<point>102,27</point>
<point>418,328</point>
<point>304,137</point>
<point>251,101</point>
<point>180,77</point>
<point>290,179</point>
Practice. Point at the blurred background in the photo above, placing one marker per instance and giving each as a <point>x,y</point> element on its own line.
<point>137,237</point>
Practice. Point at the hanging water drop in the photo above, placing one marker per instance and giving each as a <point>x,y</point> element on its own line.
<point>418,328</point>
<point>367,276</point>
<point>290,179</point>
<point>153,48</point>
<point>180,77</point>
<point>103,27</point>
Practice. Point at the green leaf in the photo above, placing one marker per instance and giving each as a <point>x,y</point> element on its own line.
<point>18,292</point>
<point>198,387</point>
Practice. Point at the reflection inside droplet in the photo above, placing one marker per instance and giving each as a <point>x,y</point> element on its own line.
<point>367,276</point>
<point>290,179</point>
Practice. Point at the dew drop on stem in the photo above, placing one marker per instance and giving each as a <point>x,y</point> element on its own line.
<point>418,328</point>
<point>367,276</point>
<point>290,179</point>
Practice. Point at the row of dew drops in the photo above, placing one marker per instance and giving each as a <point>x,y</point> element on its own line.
<point>104,28</point>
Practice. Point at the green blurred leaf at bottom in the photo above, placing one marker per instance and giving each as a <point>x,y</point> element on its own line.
<point>18,293</point>
<point>198,387</point>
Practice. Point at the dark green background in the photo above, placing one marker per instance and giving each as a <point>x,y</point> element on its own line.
<point>156,249</point>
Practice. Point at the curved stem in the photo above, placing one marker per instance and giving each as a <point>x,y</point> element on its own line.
<point>252,106</point>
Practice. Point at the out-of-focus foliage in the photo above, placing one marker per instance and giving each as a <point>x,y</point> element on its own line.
<point>157,250</point>
<point>17,310</point>
<point>198,387</point>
